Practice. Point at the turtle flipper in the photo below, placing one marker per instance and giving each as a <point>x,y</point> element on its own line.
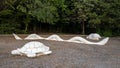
<point>15,52</point>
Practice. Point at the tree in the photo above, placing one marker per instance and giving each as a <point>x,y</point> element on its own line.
<point>71,16</point>
<point>10,20</point>
<point>44,12</point>
<point>82,10</point>
<point>104,14</point>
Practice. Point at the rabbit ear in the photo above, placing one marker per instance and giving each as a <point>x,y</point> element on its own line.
<point>17,37</point>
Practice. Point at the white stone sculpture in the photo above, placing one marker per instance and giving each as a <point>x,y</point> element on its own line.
<point>32,49</point>
<point>54,37</point>
<point>94,36</point>
<point>77,40</point>
<point>82,40</point>
<point>33,37</point>
<point>16,37</point>
<point>74,39</point>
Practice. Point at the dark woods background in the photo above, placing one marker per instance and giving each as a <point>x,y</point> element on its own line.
<point>60,16</point>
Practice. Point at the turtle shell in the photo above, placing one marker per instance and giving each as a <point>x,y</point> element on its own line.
<point>94,36</point>
<point>34,47</point>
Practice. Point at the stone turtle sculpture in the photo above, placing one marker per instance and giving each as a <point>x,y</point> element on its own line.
<point>32,49</point>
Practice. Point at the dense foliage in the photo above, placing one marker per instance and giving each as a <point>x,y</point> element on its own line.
<point>60,16</point>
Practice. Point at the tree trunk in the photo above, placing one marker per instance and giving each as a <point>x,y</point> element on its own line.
<point>26,24</point>
<point>26,28</point>
<point>34,28</point>
<point>83,27</point>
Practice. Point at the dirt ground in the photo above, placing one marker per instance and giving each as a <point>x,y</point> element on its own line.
<point>65,54</point>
